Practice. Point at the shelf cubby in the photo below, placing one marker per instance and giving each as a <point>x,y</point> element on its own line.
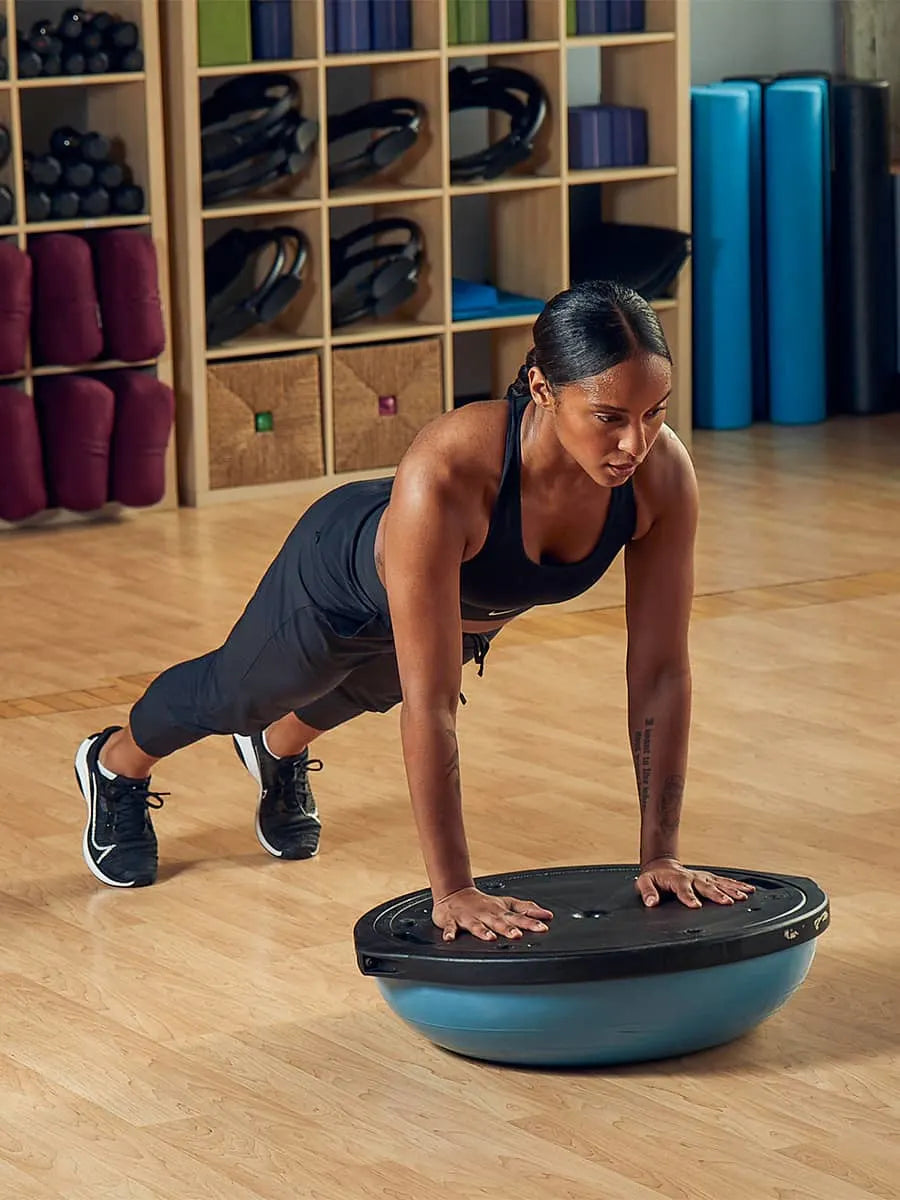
<point>127,107</point>
<point>512,231</point>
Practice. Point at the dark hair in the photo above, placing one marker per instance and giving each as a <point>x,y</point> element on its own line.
<point>587,329</point>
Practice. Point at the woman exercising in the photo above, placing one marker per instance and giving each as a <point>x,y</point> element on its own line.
<point>384,588</point>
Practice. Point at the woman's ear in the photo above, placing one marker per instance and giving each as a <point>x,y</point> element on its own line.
<point>541,393</point>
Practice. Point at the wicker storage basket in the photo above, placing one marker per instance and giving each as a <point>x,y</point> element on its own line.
<point>383,395</point>
<point>265,421</point>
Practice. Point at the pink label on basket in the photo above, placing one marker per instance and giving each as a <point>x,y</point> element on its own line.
<point>387,406</point>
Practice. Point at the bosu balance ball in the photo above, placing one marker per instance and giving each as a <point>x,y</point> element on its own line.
<point>612,981</point>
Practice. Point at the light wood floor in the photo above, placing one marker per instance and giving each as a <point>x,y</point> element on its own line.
<point>211,1036</point>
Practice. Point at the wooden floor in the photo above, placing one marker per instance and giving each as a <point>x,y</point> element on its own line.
<point>212,1037</point>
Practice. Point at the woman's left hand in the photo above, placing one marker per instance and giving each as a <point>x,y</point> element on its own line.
<point>668,875</point>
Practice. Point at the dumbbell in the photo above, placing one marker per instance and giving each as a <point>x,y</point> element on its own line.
<point>112,175</point>
<point>42,38</point>
<point>30,62</point>
<point>128,60</point>
<point>94,202</point>
<point>67,144</point>
<point>128,200</point>
<point>123,35</point>
<point>38,203</point>
<point>5,145</point>
<point>7,205</point>
<point>44,170</point>
<point>65,204</point>
<point>72,24</point>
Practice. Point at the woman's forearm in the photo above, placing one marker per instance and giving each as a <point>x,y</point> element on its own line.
<point>431,756</point>
<point>659,720</point>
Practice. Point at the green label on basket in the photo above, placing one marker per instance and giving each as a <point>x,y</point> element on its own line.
<point>264,422</point>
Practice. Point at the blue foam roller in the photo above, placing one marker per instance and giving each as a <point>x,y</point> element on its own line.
<point>721,120</point>
<point>798,180</point>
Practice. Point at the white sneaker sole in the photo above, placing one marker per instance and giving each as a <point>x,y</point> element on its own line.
<point>244,746</point>
<point>86,784</point>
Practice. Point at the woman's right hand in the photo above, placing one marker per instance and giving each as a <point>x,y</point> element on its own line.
<point>488,916</point>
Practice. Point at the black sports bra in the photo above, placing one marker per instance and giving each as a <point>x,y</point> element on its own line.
<point>501,580</point>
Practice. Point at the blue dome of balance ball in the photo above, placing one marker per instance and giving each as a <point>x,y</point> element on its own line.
<point>610,982</point>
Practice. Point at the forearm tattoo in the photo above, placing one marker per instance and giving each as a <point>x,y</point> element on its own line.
<point>640,749</point>
<point>670,805</point>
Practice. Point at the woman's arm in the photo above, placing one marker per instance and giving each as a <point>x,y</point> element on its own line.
<point>424,544</point>
<point>659,574</point>
<point>425,538</point>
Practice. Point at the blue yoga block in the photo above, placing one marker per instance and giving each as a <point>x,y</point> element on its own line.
<point>798,182</point>
<point>721,136</point>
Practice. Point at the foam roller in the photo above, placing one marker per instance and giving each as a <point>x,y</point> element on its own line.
<point>128,289</point>
<point>865,301</point>
<point>15,307</point>
<point>66,326</point>
<point>76,418</point>
<point>797,141</point>
<point>721,118</point>
<point>145,410</point>
<point>22,490</point>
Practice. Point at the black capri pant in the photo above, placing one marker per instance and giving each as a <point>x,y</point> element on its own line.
<point>284,654</point>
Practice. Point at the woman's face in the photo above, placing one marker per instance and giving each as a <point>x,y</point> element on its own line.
<point>608,422</point>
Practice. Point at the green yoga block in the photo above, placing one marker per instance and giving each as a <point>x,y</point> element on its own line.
<point>474,21</point>
<point>452,22</point>
<point>223,30</point>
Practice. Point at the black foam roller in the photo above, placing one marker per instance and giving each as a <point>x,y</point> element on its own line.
<point>863,254</point>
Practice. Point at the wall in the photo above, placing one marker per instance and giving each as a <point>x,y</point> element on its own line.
<point>762,36</point>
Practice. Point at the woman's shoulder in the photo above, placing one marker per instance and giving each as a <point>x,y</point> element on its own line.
<point>462,442</point>
<point>665,480</point>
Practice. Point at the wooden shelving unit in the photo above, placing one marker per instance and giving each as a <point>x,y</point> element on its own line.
<point>650,69</point>
<point>125,105</point>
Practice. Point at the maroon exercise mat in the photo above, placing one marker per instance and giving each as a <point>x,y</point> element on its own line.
<point>145,410</point>
<point>22,490</point>
<point>65,325</point>
<point>15,307</point>
<point>128,287</point>
<point>76,419</point>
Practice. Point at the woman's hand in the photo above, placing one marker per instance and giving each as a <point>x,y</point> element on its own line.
<point>487,916</point>
<point>668,875</point>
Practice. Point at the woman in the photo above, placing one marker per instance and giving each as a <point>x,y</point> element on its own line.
<point>384,589</point>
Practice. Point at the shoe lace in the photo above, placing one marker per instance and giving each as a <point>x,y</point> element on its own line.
<point>295,792</point>
<point>128,803</point>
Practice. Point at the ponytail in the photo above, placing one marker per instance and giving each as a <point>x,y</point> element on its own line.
<point>520,385</point>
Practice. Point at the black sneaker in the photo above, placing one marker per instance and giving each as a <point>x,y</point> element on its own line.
<point>287,819</point>
<point>119,844</point>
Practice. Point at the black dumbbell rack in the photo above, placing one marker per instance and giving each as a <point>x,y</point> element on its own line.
<point>82,141</point>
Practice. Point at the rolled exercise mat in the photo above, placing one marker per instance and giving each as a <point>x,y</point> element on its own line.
<point>145,410</point>
<point>863,264</point>
<point>76,421</point>
<point>797,150</point>
<point>65,319</point>
<point>756,85</point>
<point>721,116</point>
<point>15,307</point>
<point>22,490</point>
<point>128,290</point>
